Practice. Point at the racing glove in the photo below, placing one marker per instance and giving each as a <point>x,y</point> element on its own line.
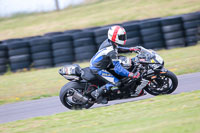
<point>135,49</point>
<point>134,75</point>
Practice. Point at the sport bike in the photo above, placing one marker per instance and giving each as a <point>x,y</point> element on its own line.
<point>154,79</point>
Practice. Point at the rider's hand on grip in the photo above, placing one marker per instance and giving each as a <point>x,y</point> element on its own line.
<point>135,49</point>
<point>135,75</point>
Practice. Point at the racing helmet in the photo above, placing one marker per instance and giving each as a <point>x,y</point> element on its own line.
<point>117,35</point>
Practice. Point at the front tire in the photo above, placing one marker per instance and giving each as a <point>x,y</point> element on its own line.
<point>165,84</point>
<point>67,101</point>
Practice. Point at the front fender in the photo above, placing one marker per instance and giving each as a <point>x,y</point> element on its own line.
<point>163,70</point>
<point>156,73</point>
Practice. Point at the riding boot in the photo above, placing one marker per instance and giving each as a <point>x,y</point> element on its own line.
<point>139,90</point>
<point>97,94</point>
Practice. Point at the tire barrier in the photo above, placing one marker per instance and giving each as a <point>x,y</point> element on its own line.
<point>151,33</point>
<point>72,31</point>
<point>84,45</point>
<point>173,32</point>
<point>19,55</point>
<point>91,28</point>
<point>41,52</point>
<point>191,23</point>
<point>60,48</point>
<point>100,34</point>
<point>3,59</point>
<point>30,38</point>
<point>52,34</point>
<point>133,34</point>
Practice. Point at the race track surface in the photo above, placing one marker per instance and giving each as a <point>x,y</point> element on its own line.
<point>52,105</point>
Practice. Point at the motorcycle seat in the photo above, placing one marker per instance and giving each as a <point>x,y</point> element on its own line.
<point>87,74</point>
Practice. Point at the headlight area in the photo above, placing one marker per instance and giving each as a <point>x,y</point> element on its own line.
<point>156,66</point>
<point>159,59</point>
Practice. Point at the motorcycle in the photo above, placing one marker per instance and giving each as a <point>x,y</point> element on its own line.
<point>154,79</point>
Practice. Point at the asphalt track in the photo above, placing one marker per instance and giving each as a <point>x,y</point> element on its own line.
<point>52,105</point>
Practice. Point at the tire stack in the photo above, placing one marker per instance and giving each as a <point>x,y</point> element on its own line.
<point>3,59</point>
<point>41,52</point>
<point>133,34</point>
<point>101,34</point>
<point>173,32</point>
<point>72,31</point>
<point>91,28</point>
<point>5,42</point>
<point>199,29</point>
<point>191,23</point>
<point>50,34</point>
<point>19,55</point>
<point>63,52</point>
<point>84,45</point>
<point>152,34</point>
<point>30,38</point>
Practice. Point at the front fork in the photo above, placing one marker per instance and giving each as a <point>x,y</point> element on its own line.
<point>163,70</point>
<point>154,75</point>
<point>159,72</point>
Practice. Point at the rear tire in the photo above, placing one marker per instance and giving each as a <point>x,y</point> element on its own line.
<point>64,98</point>
<point>169,90</point>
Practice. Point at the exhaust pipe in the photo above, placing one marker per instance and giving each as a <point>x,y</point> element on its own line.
<point>79,96</point>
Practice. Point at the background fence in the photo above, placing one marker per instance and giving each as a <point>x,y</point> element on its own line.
<point>60,48</point>
<point>9,8</point>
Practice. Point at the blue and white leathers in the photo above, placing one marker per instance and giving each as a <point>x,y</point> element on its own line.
<point>108,55</point>
<point>109,77</point>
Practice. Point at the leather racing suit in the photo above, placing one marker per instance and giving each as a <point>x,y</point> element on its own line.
<point>108,55</point>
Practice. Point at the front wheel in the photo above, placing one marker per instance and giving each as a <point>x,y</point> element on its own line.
<point>68,100</point>
<point>166,83</point>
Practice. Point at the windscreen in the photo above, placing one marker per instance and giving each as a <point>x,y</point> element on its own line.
<point>148,54</point>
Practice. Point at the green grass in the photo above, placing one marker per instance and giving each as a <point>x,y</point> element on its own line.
<point>162,114</point>
<point>98,13</point>
<point>36,84</point>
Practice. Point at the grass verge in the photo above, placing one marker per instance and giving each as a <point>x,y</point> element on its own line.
<point>97,13</point>
<point>37,84</point>
<point>166,114</point>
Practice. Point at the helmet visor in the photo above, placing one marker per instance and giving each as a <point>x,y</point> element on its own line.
<point>122,37</point>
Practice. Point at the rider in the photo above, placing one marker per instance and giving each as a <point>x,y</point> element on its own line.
<point>107,55</point>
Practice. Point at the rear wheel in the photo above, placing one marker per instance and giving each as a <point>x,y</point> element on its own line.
<point>68,100</point>
<point>166,83</point>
